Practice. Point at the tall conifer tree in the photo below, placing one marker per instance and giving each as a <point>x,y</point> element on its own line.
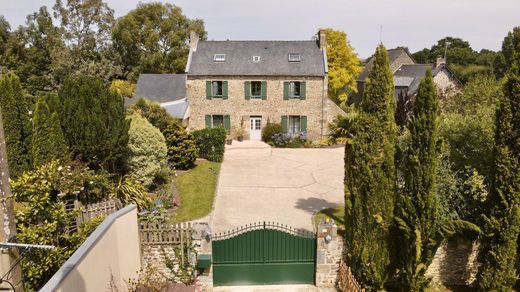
<point>47,137</point>
<point>15,110</point>
<point>416,213</point>
<point>502,225</point>
<point>370,178</point>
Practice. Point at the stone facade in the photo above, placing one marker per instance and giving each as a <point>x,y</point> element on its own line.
<point>329,251</point>
<point>403,59</point>
<point>318,108</point>
<point>447,85</point>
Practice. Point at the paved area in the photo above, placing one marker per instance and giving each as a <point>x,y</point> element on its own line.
<point>259,183</point>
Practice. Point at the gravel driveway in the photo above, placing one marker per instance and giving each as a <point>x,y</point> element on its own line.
<point>260,183</point>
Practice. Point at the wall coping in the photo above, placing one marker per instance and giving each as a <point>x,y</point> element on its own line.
<point>80,253</point>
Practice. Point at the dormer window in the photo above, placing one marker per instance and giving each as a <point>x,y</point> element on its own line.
<point>294,57</point>
<point>219,57</point>
<point>256,59</point>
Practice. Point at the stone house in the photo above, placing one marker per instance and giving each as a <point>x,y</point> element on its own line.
<point>243,85</point>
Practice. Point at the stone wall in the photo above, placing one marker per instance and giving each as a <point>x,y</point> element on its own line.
<point>329,251</point>
<point>455,263</point>
<point>403,59</point>
<point>447,86</point>
<point>315,106</point>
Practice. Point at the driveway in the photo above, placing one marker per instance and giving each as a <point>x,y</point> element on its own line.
<point>259,183</point>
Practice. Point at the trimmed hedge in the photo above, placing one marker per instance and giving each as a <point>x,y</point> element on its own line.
<point>270,130</point>
<point>211,143</point>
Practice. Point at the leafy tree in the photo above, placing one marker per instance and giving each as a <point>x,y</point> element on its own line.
<point>153,39</point>
<point>5,29</point>
<point>48,142</point>
<point>155,114</point>
<point>504,58</point>
<point>182,150</point>
<point>344,65</point>
<point>94,124</point>
<point>123,88</point>
<point>15,110</point>
<point>502,223</point>
<point>370,178</point>
<point>417,206</point>
<point>146,150</point>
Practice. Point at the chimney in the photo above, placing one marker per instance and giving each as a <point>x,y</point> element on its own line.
<point>322,38</point>
<point>439,61</point>
<point>194,40</point>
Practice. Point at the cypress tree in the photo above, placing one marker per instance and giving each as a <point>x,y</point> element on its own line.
<point>15,110</point>
<point>417,207</point>
<point>502,224</point>
<point>94,123</point>
<point>47,137</point>
<point>370,178</point>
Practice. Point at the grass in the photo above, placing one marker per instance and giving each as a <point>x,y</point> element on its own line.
<point>337,214</point>
<point>197,190</point>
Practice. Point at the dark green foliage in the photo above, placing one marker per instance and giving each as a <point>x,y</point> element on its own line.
<point>94,123</point>
<point>269,130</point>
<point>15,110</point>
<point>48,142</point>
<point>182,150</point>
<point>502,223</point>
<point>155,114</point>
<point>505,57</point>
<point>416,211</point>
<point>370,178</point>
<point>211,143</point>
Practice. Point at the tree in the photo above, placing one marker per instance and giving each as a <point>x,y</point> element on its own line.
<point>370,178</point>
<point>15,110</point>
<point>182,150</point>
<point>146,150</point>
<point>504,57</point>
<point>155,114</point>
<point>48,142</point>
<point>124,88</point>
<point>344,65</point>
<point>153,39</point>
<point>416,211</point>
<point>502,223</point>
<point>94,123</point>
<point>4,35</point>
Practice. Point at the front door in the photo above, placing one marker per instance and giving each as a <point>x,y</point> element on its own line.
<point>255,128</point>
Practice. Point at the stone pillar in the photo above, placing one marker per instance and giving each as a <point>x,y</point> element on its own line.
<point>194,40</point>
<point>329,250</point>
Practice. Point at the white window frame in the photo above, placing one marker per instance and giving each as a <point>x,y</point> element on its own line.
<point>292,87</point>
<point>251,89</point>
<point>295,128</point>
<point>219,58</point>
<point>213,88</point>
<point>294,57</point>
<point>256,59</point>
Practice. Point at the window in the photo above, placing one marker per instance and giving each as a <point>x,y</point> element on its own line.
<point>294,57</point>
<point>256,59</point>
<point>256,89</point>
<point>295,89</point>
<point>219,57</point>
<point>217,88</point>
<point>294,125</point>
<point>217,121</point>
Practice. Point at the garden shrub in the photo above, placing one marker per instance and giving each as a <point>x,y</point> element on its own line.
<point>211,143</point>
<point>270,130</point>
<point>146,150</point>
<point>182,150</point>
<point>286,140</point>
<point>130,191</point>
<point>154,113</point>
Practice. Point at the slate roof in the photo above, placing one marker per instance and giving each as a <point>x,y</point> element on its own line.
<point>160,88</point>
<point>273,58</point>
<point>177,109</point>
<point>393,54</point>
<point>415,70</point>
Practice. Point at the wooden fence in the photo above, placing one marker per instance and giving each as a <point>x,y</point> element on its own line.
<point>166,234</point>
<point>90,211</point>
<point>346,280</point>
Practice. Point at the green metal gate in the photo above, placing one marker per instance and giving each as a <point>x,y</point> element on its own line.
<point>264,254</point>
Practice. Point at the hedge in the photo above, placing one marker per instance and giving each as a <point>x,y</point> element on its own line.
<point>211,143</point>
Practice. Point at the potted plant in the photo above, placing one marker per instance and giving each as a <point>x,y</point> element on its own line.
<point>239,134</point>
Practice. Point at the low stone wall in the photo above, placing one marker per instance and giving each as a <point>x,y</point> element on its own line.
<point>329,251</point>
<point>455,263</point>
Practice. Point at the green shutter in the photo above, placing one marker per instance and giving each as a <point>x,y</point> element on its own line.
<point>284,124</point>
<point>264,90</point>
<point>303,90</point>
<point>247,90</point>
<point>286,90</point>
<point>224,90</point>
<point>208,121</point>
<point>227,123</point>
<point>208,90</point>
<point>303,123</point>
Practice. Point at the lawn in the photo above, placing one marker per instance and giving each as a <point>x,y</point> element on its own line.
<point>197,190</point>
<point>337,214</point>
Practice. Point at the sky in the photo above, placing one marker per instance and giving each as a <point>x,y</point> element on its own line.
<point>415,24</point>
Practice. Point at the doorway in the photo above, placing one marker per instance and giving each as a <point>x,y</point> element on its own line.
<point>255,128</point>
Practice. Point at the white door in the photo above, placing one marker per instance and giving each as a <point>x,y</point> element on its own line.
<point>255,128</point>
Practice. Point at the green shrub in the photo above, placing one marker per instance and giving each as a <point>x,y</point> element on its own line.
<point>146,150</point>
<point>269,130</point>
<point>130,191</point>
<point>211,143</point>
<point>182,151</point>
<point>154,113</point>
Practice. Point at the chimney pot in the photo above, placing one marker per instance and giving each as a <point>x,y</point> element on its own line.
<point>322,38</point>
<point>439,61</point>
<point>194,40</point>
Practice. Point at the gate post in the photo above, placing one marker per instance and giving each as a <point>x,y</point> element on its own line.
<point>329,251</point>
